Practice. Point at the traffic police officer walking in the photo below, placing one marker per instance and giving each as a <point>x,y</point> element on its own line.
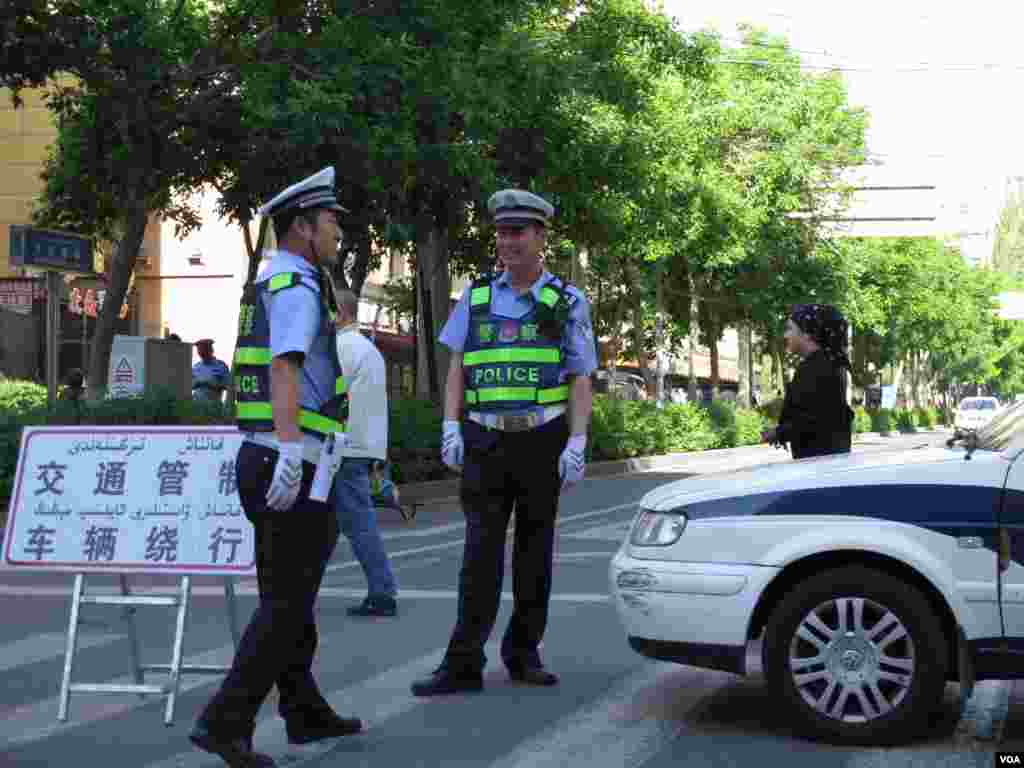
<point>522,354</point>
<point>290,397</point>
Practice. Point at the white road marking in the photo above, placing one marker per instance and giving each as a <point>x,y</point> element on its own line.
<point>626,727</point>
<point>375,700</point>
<point>38,720</point>
<point>246,590</point>
<point>44,646</point>
<point>570,557</point>
<point>458,542</point>
<point>612,532</point>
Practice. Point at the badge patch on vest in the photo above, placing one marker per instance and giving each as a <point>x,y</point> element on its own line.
<point>485,331</point>
<point>508,331</point>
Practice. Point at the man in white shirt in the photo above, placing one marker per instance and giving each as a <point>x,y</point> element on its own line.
<point>362,366</point>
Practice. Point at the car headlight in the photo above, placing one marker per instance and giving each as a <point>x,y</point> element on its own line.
<point>658,529</point>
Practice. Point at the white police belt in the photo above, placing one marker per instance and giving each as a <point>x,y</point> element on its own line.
<point>519,422</point>
<point>310,445</point>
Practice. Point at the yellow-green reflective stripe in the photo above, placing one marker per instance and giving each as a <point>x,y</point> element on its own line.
<point>277,282</point>
<point>307,419</point>
<point>253,411</point>
<point>494,394</point>
<point>479,295</point>
<point>548,296</point>
<point>318,423</point>
<point>252,356</point>
<point>512,355</point>
<point>553,395</point>
<point>340,387</point>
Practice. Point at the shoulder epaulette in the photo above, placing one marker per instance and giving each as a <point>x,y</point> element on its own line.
<point>283,280</point>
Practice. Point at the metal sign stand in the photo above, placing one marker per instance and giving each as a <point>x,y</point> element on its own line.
<point>175,669</point>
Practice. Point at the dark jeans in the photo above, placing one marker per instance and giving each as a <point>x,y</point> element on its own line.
<point>503,471</point>
<point>292,551</point>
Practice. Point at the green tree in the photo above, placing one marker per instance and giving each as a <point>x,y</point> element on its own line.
<point>147,86</point>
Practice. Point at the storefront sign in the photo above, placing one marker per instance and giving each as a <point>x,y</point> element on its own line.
<point>17,295</point>
<point>152,499</point>
<point>47,249</point>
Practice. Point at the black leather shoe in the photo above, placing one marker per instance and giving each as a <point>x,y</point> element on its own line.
<point>532,675</point>
<point>236,752</point>
<point>327,725</point>
<point>375,605</point>
<point>443,681</point>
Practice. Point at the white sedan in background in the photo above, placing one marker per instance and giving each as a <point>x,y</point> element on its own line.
<point>873,579</point>
<point>975,412</point>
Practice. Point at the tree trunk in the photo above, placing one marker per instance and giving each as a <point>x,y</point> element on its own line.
<point>434,289</point>
<point>691,386</point>
<point>122,265</point>
<point>255,253</point>
<point>578,272</point>
<point>778,355</point>
<point>660,353</point>
<point>743,366</point>
<point>361,265</point>
<point>615,343</point>
<point>715,377</point>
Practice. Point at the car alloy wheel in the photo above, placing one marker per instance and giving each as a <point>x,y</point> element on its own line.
<point>852,659</point>
<point>857,656</point>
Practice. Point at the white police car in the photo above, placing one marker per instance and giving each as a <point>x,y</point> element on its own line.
<point>873,578</point>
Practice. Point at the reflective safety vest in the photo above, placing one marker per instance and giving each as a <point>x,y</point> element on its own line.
<point>514,363</point>
<point>251,368</point>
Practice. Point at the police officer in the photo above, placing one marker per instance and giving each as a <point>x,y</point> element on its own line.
<point>210,376</point>
<point>522,355</point>
<point>290,396</point>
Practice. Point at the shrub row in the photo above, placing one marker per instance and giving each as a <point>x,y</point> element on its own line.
<point>620,429</point>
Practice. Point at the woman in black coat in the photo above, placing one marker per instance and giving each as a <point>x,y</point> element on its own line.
<point>815,419</point>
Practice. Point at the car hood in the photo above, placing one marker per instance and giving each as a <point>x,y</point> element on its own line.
<point>844,469</point>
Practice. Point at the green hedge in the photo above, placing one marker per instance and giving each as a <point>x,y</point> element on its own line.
<point>619,428</point>
<point>415,425</point>
<point>622,429</point>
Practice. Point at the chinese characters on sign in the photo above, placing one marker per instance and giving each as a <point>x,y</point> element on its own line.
<point>151,499</point>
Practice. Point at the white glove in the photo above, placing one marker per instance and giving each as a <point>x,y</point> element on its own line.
<point>452,447</point>
<point>284,488</point>
<point>571,463</point>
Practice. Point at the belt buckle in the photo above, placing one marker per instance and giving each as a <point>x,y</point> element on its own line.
<point>518,423</point>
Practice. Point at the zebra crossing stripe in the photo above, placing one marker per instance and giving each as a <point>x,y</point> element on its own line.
<point>626,727</point>
<point>38,720</point>
<point>374,700</point>
<point>43,646</point>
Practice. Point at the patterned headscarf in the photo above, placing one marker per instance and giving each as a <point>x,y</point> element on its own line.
<point>824,324</point>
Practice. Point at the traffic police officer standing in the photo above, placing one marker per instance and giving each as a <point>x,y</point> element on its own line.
<point>522,354</point>
<point>290,396</point>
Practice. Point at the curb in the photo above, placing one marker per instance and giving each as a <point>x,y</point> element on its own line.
<point>439,490</point>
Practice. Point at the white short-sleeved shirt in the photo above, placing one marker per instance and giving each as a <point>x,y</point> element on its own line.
<point>362,365</point>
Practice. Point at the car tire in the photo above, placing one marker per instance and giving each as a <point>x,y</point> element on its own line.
<point>872,678</point>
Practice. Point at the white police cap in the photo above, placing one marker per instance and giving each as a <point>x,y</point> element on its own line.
<point>317,191</point>
<point>516,207</point>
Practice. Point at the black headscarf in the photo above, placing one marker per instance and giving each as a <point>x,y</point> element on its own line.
<point>828,328</point>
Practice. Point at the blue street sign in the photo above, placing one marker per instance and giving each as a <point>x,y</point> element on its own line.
<point>46,249</point>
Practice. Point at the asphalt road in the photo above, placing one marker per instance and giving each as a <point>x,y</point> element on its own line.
<point>613,709</point>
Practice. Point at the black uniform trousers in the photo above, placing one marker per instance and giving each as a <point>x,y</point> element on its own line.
<point>503,471</point>
<point>277,647</point>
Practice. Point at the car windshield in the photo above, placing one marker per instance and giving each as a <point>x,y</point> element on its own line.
<point>1004,428</point>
